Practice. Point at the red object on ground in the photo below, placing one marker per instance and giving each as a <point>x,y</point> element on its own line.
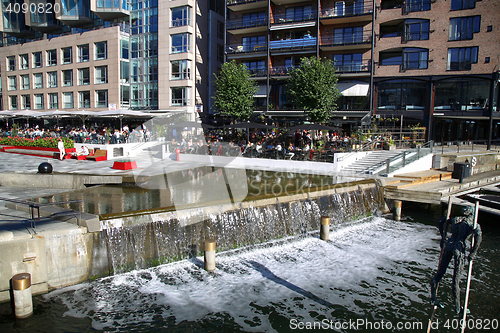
<point>178,153</point>
<point>124,165</point>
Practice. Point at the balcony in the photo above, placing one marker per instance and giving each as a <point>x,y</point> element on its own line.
<point>359,12</point>
<point>293,44</point>
<point>280,71</point>
<point>284,21</point>
<point>14,24</point>
<point>347,41</point>
<point>239,5</point>
<point>74,13</point>
<point>245,51</point>
<point>354,67</point>
<point>258,72</point>
<point>111,9</point>
<point>246,26</point>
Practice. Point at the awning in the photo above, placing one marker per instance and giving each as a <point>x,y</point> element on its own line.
<point>262,91</point>
<point>353,89</point>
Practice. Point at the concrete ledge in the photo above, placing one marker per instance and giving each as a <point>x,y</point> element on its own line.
<point>60,181</point>
<point>89,221</point>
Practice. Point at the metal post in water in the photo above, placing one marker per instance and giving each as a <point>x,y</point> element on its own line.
<point>210,255</point>
<point>324,232</point>
<point>398,204</point>
<point>23,303</point>
<point>404,158</point>
<point>388,162</point>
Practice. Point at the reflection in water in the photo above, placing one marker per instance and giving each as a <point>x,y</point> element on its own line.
<point>197,187</point>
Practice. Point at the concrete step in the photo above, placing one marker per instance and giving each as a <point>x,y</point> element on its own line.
<point>420,177</point>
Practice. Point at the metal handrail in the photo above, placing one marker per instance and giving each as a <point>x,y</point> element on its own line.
<point>363,147</point>
<point>36,205</point>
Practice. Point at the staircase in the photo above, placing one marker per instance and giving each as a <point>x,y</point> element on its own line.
<point>369,163</point>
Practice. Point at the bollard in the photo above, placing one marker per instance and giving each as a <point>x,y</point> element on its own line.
<point>178,153</point>
<point>209,255</point>
<point>397,210</point>
<point>324,232</point>
<point>23,303</point>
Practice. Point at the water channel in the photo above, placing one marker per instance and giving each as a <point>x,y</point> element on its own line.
<point>372,271</point>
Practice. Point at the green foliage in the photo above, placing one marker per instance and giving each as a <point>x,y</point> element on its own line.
<point>235,91</point>
<point>313,87</point>
<point>40,142</point>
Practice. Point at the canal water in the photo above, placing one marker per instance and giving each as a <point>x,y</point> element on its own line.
<point>373,275</point>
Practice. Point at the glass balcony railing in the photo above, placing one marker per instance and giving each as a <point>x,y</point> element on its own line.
<point>239,48</point>
<point>347,39</point>
<point>287,18</point>
<point>240,2</point>
<point>298,43</point>
<point>280,70</point>
<point>246,23</point>
<point>347,10</point>
<point>353,67</point>
<point>258,72</point>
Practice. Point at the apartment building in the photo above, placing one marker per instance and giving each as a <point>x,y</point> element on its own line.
<point>428,62</point>
<point>144,55</point>
<point>437,63</point>
<point>270,38</point>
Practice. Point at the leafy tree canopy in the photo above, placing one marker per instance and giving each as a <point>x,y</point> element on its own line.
<point>235,91</point>
<point>313,87</point>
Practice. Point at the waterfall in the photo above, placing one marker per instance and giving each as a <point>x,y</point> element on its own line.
<point>126,247</point>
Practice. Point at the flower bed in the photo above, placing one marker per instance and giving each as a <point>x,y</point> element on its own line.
<point>38,142</point>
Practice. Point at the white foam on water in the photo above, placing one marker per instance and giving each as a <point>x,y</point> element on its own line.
<point>363,268</point>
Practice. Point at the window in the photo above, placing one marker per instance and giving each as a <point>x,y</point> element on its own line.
<point>101,98</point>
<point>53,101</point>
<point>220,53</point>
<point>51,79</point>
<point>462,4</point>
<point>463,28</point>
<point>83,53</point>
<point>181,43</point>
<point>11,63</point>
<point>124,72</point>
<point>252,43</point>
<point>298,13</point>
<point>37,59</point>
<point>181,70</point>
<point>12,83</point>
<point>67,77</point>
<point>486,60</point>
<point>83,76</point>
<point>417,5</point>
<point>38,81</point>
<point>24,82</point>
<point>101,75</point>
<point>415,58</point>
<point>84,99</point>
<point>23,61</point>
<point>181,16</point>
<point>180,96</point>
<point>416,30</point>
<point>67,100</point>
<point>67,55</point>
<point>257,68</point>
<point>51,58</point>
<point>461,58</point>
<point>348,35</point>
<point>13,102</point>
<point>348,62</point>
<point>38,98</point>
<point>101,50</point>
<point>489,28</point>
<point>25,102</point>
<point>254,19</point>
<point>220,29</point>
<point>124,48</point>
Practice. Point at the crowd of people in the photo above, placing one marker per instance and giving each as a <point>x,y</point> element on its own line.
<point>93,135</point>
<point>275,143</point>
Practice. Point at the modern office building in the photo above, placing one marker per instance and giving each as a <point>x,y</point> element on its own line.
<point>432,62</point>
<point>144,55</point>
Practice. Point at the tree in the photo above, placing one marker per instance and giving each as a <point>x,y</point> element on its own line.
<point>313,87</point>
<point>235,91</point>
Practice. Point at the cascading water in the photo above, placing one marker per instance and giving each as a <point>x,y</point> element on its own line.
<point>124,248</point>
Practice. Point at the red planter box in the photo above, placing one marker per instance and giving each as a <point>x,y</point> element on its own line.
<point>124,165</point>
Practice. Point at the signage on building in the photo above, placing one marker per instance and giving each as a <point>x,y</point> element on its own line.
<point>199,108</point>
<point>112,106</point>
